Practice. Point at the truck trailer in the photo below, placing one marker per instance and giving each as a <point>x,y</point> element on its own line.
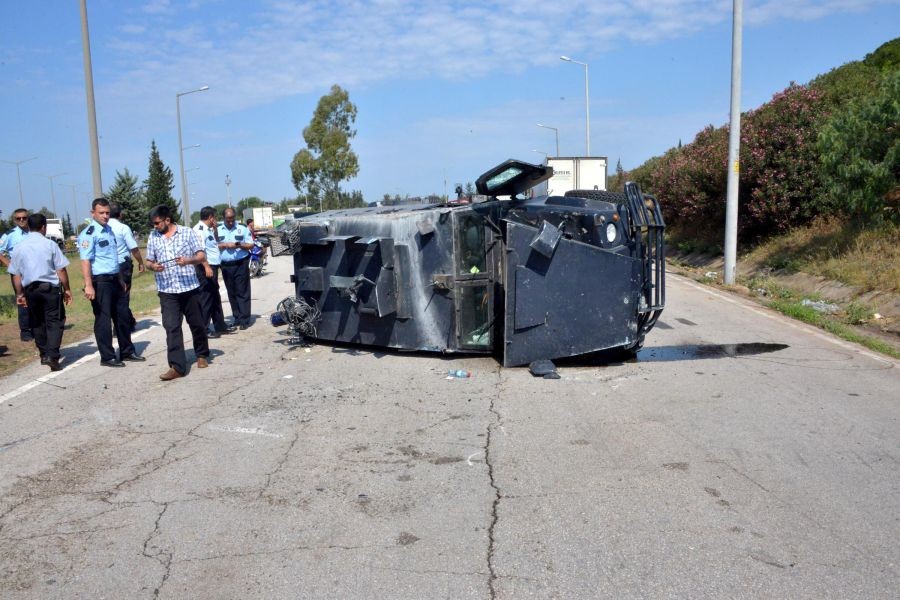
<point>576,173</point>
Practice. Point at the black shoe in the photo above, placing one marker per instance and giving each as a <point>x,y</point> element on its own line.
<point>227,330</point>
<point>45,360</point>
<point>112,363</point>
<point>54,364</point>
<point>243,326</point>
<point>134,358</point>
<point>26,337</point>
<point>213,335</point>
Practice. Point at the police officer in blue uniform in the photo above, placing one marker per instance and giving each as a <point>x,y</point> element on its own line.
<point>104,286</point>
<point>41,282</point>
<point>128,253</point>
<point>8,242</point>
<point>235,243</point>
<point>208,273</point>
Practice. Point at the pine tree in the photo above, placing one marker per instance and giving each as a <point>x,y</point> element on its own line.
<point>159,185</point>
<point>127,194</point>
<point>67,226</point>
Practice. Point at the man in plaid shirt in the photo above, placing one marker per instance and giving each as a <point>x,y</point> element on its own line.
<point>172,252</point>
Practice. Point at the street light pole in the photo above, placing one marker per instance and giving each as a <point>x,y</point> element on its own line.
<point>734,145</point>
<point>556,131</point>
<point>19,175</point>
<point>228,188</point>
<point>184,196</point>
<point>91,109</point>
<point>587,104</point>
<point>52,192</point>
<point>74,205</point>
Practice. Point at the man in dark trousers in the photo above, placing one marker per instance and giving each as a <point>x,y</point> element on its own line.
<point>103,286</point>
<point>210,298</point>
<point>235,243</point>
<point>41,282</point>
<point>173,251</point>
<point>8,243</point>
<point>128,253</point>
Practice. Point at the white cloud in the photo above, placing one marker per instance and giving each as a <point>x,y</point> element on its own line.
<point>290,48</point>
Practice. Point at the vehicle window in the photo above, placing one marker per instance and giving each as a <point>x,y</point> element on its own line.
<point>502,177</point>
<point>474,315</point>
<point>471,259</point>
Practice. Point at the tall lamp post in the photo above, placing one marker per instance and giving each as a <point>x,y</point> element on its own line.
<point>587,104</point>
<point>52,192</point>
<point>74,218</point>
<point>556,131</point>
<point>19,174</point>
<point>184,196</point>
<point>91,108</point>
<point>228,188</point>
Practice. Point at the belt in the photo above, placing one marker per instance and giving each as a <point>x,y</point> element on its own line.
<point>35,284</point>
<point>231,263</point>
<point>104,277</point>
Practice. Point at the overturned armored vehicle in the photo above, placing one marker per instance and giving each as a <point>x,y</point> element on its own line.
<point>525,278</point>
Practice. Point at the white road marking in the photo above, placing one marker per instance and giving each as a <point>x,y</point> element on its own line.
<point>469,459</point>
<point>53,374</point>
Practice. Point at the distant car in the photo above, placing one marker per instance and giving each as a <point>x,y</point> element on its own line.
<point>524,278</point>
<point>55,232</point>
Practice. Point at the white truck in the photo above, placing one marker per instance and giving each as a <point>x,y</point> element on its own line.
<point>55,232</point>
<point>576,173</point>
<point>262,216</point>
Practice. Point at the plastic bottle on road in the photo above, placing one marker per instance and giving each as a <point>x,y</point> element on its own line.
<point>458,373</point>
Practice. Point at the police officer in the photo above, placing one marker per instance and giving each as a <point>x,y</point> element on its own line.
<point>208,273</point>
<point>235,243</point>
<point>125,245</point>
<point>8,242</point>
<point>38,269</point>
<point>104,286</point>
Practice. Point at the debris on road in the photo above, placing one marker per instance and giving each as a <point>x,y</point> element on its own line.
<point>543,368</point>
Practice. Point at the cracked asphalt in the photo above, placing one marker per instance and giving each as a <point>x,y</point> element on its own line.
<point>741,456</point>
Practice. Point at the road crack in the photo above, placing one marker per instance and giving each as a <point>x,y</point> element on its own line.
<point>488,459</point>
<point>162,557</point>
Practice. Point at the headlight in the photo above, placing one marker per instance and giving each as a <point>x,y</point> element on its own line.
<point>610,233</point>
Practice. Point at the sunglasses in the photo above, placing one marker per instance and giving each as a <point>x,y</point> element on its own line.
<point>21,218</point>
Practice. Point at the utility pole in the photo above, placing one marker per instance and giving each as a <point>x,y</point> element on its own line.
<point>19,175</point>
<point>734,145</point>
<point>91,110</point>
<point>52,192</point>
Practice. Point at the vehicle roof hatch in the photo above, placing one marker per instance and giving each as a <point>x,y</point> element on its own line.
<point>511,178</point>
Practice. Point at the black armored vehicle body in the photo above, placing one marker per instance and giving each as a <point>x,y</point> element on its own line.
<point>526,278</point>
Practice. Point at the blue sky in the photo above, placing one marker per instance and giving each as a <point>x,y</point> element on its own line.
<point>445,90</point>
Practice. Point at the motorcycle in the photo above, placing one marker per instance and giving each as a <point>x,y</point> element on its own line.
<point>258,256</point>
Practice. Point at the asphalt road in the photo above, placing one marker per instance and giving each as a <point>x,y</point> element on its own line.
<point>742,456</point>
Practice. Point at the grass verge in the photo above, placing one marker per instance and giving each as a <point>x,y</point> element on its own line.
<point>794,309</point>
<point>79,315</point>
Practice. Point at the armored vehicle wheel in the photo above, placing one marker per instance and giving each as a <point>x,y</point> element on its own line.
<point>614,197</point>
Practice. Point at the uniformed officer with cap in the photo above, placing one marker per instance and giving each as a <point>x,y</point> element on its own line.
<point>103,286</point>
<point>127,248</point>
<point>8,242</point>
<point>235,243</point>
<point>41,282</point>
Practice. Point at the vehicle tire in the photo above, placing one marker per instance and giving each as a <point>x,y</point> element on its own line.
<point>603,195</point>
<point>254,268</point>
